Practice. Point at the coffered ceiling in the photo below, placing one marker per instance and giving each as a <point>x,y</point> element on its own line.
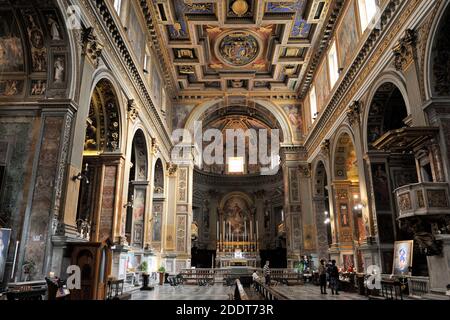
<point>238,47</point>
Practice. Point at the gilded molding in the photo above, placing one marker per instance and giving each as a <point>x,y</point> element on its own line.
<point>404,51</point>
<point>172,169</point>
<point>357,74</point>
<point>133,111</point>
<point>354,113</point>
<point>91,46</point>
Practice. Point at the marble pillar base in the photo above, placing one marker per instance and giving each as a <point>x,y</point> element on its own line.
<point>60,258</point>
<point>371,256</point>
<point>439,267</point>
<point>119,262</point>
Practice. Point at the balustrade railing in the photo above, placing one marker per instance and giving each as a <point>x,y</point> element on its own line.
<point>239,293</point>
<point>267,292</point>
<point>418,286</point>
<point>425,198</point>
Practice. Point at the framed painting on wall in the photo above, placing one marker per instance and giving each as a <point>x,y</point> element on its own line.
<point>349,262</point>
<point>344,215</point>
<point>403,254</point>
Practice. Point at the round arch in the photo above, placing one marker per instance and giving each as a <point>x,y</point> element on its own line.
<point>31,34</point>
<point>343,130</point>
<point>388,78</point>
<point>443,10</point>
<point>158,174</point>
<point>239,194</point>
<point>319,164</point>
<point>139,127</point>
<point>103,74</point>
<point>74,58</point>
<point>324,213</point>
<point>271,108</point>
<point>105,129</point>
<point>288,132</point>
<point>140,149</point>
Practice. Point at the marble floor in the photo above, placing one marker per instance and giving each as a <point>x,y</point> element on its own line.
<point>312,292</point>
<point>221,292</point>
<point>187,292</point>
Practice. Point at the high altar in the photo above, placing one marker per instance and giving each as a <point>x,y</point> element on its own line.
<point>237,234</point>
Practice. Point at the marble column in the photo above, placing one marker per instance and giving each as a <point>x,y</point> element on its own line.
<point>321,228</point>
<point>290,161</point>
<point>369,247</point>
<point>307,212</point>
<point>180,214</point>
<point>406,61</point>
<point>64,227</point>
<point>326,152</point>
<point>43,217</point>
<point>109,205</point>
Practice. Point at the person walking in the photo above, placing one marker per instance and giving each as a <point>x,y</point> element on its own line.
<point>266,271</point>
<point>323,277</point>
<point>334,278</point>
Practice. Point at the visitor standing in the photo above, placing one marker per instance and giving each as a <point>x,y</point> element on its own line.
<point>323,277</point>
<point>255,278</point>
<point>266,271</point>
<point>334,278</point>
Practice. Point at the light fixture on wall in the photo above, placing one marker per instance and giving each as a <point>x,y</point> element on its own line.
<point>327,219</point>
<point>359,207</point>
<point>82,175</point>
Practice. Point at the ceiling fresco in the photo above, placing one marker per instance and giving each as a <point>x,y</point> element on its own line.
<point>238,47</point>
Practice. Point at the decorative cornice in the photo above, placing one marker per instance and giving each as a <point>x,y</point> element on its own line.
<point>359,71</point>
<point>259,194</point>
<point>327,31</point>
<point>206,178</point>
<point>325,147</point>
<point>171,86</point>
<point>135,76</point>
<point>305,170</point>
<point>91,46</point>
<point>132,109</point>
<point>171,169</point>
<point>404,51</point>
<point>354,113</point>
<point>154,147</point>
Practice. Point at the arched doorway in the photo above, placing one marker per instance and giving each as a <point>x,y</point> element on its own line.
<point>323,213</point>
<point>102,164</point>
<point>158,206</point>
<point>388,169</point>
<point>349,231</point>
<point>137,192</point>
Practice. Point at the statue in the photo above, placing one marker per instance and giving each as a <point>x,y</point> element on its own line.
<point>84,229</point>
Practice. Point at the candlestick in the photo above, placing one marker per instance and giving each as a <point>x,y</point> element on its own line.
<point>15,258</point>
<point>217,235</point>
